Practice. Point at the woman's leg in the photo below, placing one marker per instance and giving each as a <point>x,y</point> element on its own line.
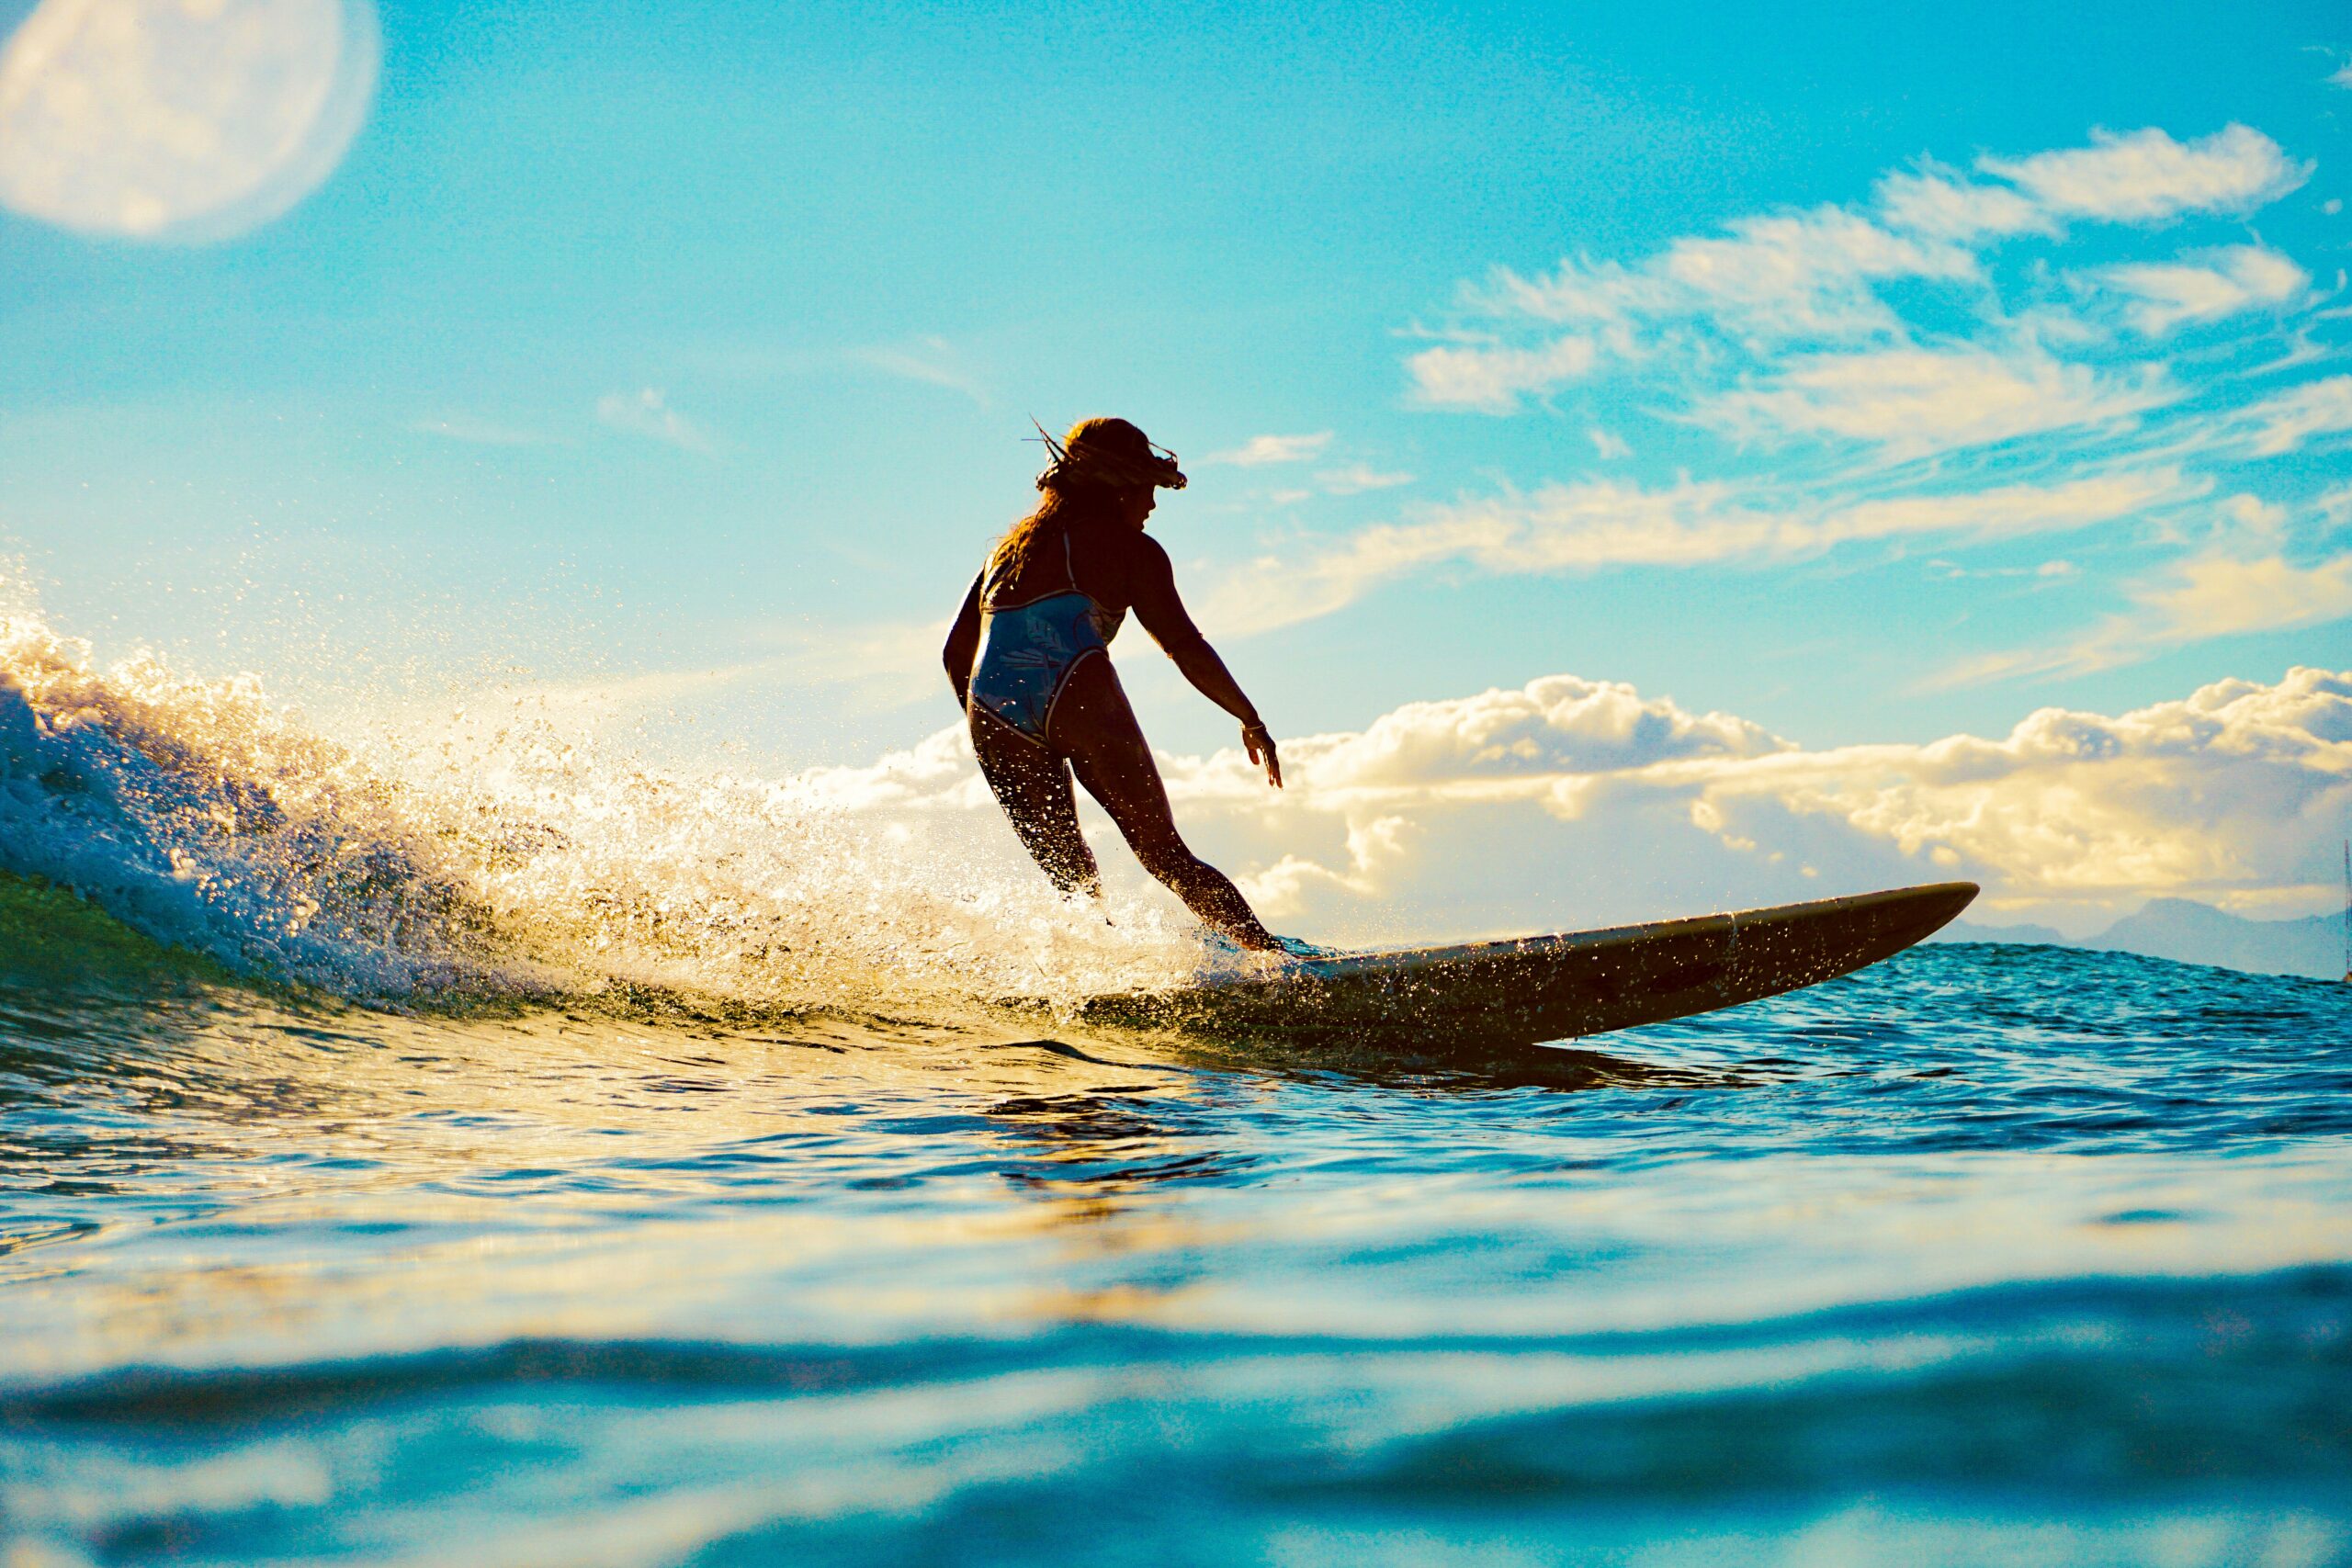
<point>1033,786</point>
<point>1093,724</point>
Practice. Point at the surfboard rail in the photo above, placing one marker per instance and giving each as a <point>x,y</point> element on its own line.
<point>1563,986</point>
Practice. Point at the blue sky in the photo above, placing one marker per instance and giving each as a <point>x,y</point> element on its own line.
<point>1871,373</point>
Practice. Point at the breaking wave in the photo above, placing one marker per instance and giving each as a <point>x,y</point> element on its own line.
<point>505,858</point>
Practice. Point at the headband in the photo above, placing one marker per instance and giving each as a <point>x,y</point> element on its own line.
<point>1088,460</point>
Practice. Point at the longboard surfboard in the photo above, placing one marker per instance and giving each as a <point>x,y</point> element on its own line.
<point>1538,988</point>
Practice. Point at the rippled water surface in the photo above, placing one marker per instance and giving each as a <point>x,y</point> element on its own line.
<point>1986,1254</point>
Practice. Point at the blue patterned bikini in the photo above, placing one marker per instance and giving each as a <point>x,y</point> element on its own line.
<point>1028,650</point>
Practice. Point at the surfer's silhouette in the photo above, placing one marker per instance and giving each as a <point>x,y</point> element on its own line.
<point>1029,662</point>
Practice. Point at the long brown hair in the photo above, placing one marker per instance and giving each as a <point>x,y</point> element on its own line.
<point>1063,508</point>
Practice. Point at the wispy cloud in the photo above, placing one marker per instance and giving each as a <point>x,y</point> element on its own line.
<point>1492,380</point>
<point>931,361</point>
<point>647,412</point>
<point>2214,596</point>
<point>2222,283</point>
<point>2218,596</point>
<point>2286,421</point>
<point>1592,524</point>
<point>2147,176</point>
<point>2257,567</point>
<point>1775,276</point>
<point>1805,274</point>
<point>477,431</point>
<point>1913,401</point>
<point>1943,204</point>
<point>593,700</point>
<point>2049,570</point>
<point>886,665</point>
<point>1358,478</point>
<point>1262,451</point>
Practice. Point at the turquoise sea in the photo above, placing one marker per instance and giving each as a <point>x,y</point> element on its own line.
<point>1985,1255</point>
<point>332,1231</point>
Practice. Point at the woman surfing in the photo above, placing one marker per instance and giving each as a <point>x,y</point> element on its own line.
<point>1030,660</point>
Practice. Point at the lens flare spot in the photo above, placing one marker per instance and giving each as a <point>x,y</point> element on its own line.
<point>179,119</point>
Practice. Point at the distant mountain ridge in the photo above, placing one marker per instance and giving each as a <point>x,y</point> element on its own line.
<point>2189,932</point>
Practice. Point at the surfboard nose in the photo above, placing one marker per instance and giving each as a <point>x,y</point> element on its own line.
<point>1905,915</point>
<point>1941,902</point>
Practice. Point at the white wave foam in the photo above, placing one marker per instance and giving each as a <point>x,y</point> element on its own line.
<point>505,857</point>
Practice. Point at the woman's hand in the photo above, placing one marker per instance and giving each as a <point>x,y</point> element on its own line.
<point>1260,743</point>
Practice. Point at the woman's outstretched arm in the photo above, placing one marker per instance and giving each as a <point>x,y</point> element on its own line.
<point>1206,671</point>
<point>1163,615</point>
<point>963,644</point>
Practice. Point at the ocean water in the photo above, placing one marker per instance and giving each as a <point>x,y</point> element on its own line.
<point>515,1161</point>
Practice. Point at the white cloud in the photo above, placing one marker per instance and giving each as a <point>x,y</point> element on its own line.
<point>1374,849</point>
<point>2005,511</point>
<point>1492,380</point>
<point>2341,76</point>
<point>1595,524</point>
<point>2214,596</point>
<point>1935,201</point>
<point>2220,596</point>
<point>1557,527</point>
<point>2231,786</point>
<point>1572,802</point>
<point>1580,290</point>
<point>1260,451</point>
<point>2228,281</point>
<point>2231,789</point>
<point>2316,408</point>
<point>1608,446</point>
<point>1358,478</point>
<point>1463,746</point>
<point>2254,522</point>
<point>649,413</point>
<point>2147,176</point>
<point>2334,504</point>
<point>1803,275</point>
<point>1773,277</point>
<point>1912,400</point>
